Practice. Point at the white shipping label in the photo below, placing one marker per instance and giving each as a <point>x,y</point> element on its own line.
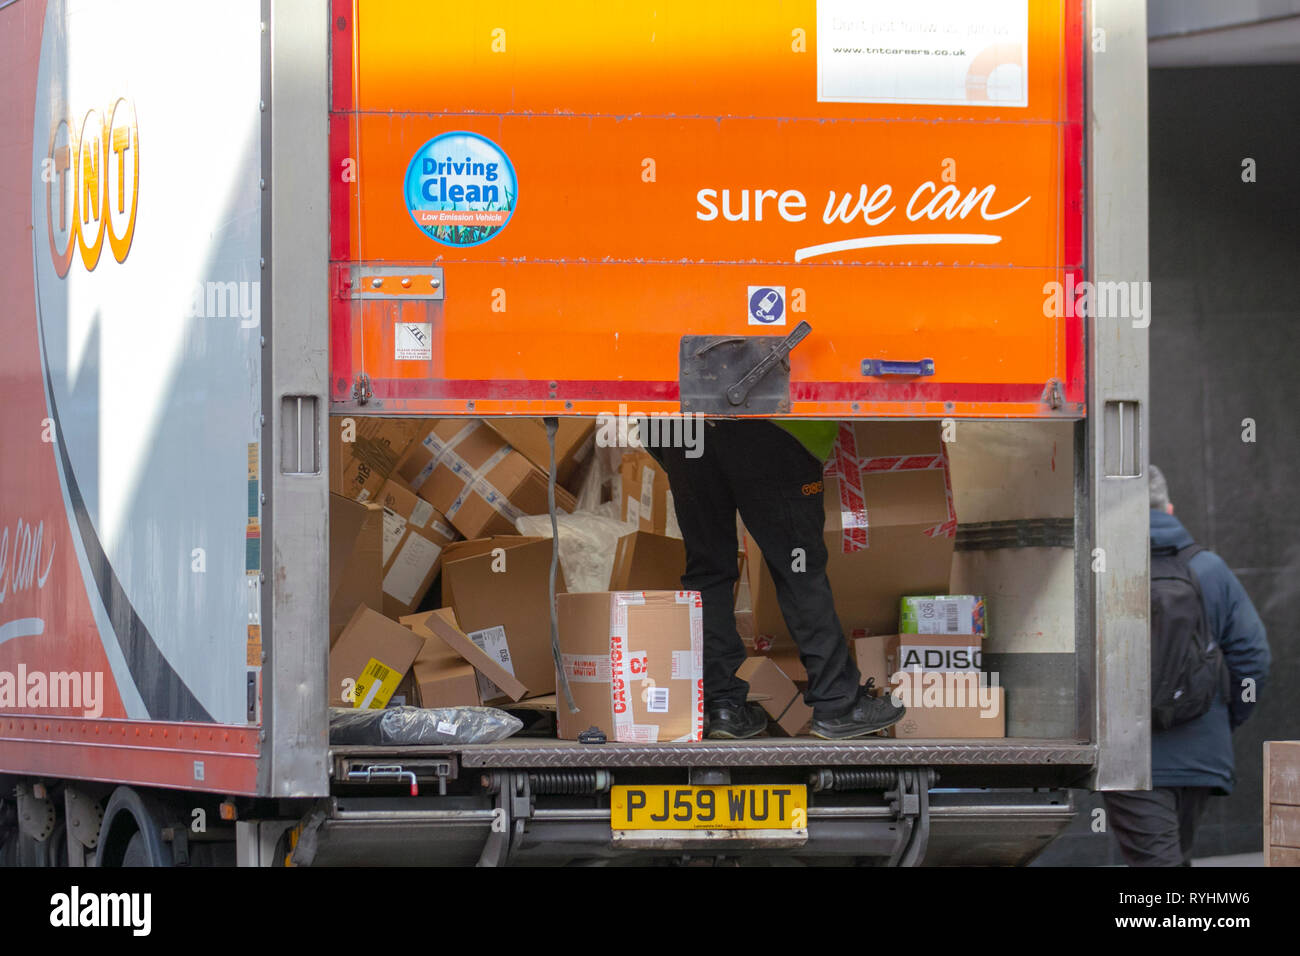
<point>413,341</point>
<point>940,52</point>
<point>586,668</point>
<point>633,511</point>
<point>421,513</point>
<point>637,733</point>
<point>671,527</point>
<point>683,665</point>
<point>950,615</point>
<point>853,519</point>
<point>443,530</point>
<point>394,528</point>
<point>656,701</point>
<point>492,642</point>
<point>648,497</point>
<point>414,562</point>
<point>448,728</point>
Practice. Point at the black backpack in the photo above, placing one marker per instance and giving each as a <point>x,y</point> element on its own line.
<point>1186,662</point>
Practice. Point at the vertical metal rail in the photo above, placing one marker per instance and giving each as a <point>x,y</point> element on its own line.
<point>295,279</point>
<point>1118,364</point>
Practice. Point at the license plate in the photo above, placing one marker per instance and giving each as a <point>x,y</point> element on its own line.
<point>709,808</point>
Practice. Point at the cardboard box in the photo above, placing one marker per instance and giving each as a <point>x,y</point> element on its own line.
<point>442,678</point>
<point>648,562</point>
<point>493,680</point>
<point>781,699</point>
<point>502,601</point>
<point>646,497</point>
<point>933,652</point>
<point>871,654</point>
<point>356,560</point>
<point>949,705</point>
<point>370,659</point>
<point>470,474</point>
<point>415,534</point>
<point>893,539</point>
<point>635,664</point>
<point>573,442</point>
<point>942,614</point>
<point>358,468</point>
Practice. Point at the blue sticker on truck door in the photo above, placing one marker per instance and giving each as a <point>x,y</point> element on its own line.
<point>460,189</point>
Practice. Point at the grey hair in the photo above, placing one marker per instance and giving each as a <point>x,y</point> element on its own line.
<point>1159,489</point>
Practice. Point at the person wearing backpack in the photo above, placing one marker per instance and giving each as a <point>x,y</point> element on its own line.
<point>1209,660</point>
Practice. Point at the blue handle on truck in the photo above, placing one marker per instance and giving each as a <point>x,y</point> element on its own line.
<point>877,367</point>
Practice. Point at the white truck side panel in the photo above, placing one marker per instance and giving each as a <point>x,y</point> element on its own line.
<point>152,363</point>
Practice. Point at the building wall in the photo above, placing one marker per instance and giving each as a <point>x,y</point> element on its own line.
<point>1225,347</point>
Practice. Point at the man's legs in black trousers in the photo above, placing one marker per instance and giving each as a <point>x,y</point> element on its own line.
<point>762,470</point>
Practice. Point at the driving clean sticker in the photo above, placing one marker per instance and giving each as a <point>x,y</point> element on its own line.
<point>460,188</point>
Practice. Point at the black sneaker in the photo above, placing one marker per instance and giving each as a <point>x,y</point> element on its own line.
<point>729,722</point>
<point>868,715</point>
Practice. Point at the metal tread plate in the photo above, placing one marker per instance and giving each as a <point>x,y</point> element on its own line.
<point>776,752</point>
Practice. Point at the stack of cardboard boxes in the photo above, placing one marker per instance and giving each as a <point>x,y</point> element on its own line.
<point>404,492</point>
<point>407,490</point>
<point>889,533</point>
<point>934,665</point>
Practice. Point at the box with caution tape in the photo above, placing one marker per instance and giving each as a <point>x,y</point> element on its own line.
<point>470,474</point>
<point>889,529</point>
<point>635,665</point>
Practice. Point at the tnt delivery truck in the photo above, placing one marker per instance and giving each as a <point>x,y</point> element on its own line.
<point>228,225</point>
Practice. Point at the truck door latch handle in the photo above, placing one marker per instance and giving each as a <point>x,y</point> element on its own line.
<point>874,368</point>
<point>780,353</point>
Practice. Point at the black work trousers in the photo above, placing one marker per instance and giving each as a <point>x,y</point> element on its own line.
<point>1156,827</point>
<point>763,471</point>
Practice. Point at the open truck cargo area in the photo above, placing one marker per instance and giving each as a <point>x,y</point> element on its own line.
<point>279,434</point>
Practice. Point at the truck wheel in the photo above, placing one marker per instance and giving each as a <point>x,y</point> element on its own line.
<point>131,832</point>
<point>137,851</point>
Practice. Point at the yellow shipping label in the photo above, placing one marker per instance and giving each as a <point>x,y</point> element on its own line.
<point>375,686</point>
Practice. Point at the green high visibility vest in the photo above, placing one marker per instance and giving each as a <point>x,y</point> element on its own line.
<point>816,435</point>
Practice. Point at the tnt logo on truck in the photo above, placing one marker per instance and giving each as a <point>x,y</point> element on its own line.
<point>460,189</point>
<point>91,176</point>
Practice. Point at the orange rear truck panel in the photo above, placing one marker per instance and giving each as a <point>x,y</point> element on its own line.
<point>590,184</point>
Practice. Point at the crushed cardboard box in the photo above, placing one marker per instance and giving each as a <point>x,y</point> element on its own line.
<point>414,537</point>
<point>364,450</point>
<point>441,676</point>
<point>494,681</point>
<point>356,559</point>
<point>470,474</point>
<point>370,659</point>
<point>574,438</point>
<point>499,590</point>
<point>780,698</point>
<point>889,529</point>
<point>645,495</point>
<point>634,661</point>
<point>648,562</point>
